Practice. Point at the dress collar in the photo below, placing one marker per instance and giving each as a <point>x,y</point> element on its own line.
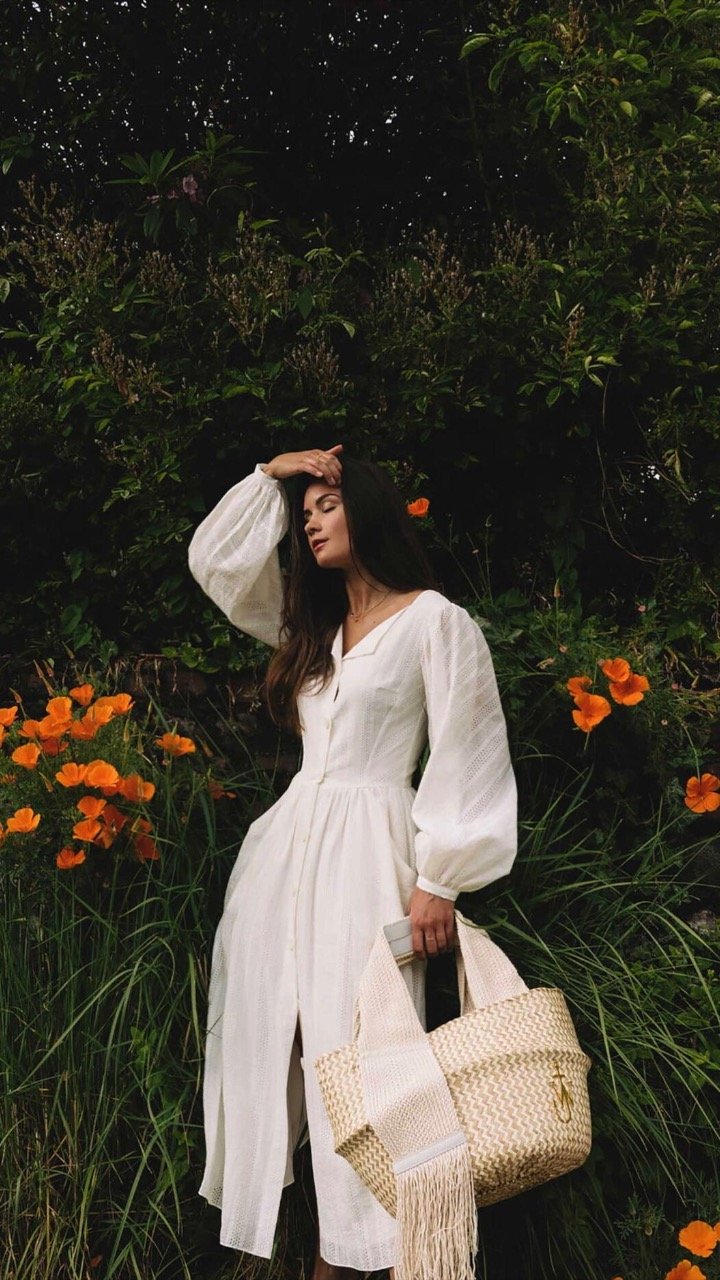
<point>369,642</point>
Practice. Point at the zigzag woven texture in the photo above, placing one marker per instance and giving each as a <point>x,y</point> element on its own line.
<point>518,1078</point>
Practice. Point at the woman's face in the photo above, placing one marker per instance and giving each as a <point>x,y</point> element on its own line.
<point>325,524</point>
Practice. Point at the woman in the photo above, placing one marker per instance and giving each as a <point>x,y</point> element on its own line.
<point>371,663</point>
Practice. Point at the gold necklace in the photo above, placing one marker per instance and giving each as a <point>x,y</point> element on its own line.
<point>357,616</point>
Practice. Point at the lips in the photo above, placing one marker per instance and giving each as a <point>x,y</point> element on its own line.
<point>320,543</point>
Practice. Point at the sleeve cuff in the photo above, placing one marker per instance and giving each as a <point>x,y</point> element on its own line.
<point>263,475</point>
<point>440,890</point>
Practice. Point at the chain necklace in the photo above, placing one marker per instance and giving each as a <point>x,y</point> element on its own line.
<point>356,617</point>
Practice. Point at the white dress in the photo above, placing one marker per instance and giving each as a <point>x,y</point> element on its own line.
<point>335,858</point>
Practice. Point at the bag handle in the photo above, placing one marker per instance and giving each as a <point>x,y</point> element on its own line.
<point>485,975</point>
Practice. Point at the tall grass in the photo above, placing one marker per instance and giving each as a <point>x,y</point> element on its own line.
<point>102,1032</point>
<point>643,987</point>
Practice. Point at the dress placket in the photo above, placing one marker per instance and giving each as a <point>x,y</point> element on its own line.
<point>310,782</point>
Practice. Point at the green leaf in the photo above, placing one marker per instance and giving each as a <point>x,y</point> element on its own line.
<point>235,389</point>
<point>474,42</point>
<point>628,108</point>
<point>304,301</point>
<point>71,618</point>
<point>497,71</point>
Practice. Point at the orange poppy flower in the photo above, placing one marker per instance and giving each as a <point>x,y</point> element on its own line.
<point>7,716</point>
<point>419,507</point>
<point>98,715</point>
<point>135,789</point>
<point>53,746</point>
<point>87,829</point>
<point>146,848</point>
<point>175,745</point>
<point>141,824</point>
<point>701,793</point>
<point>30,729</point>
<point>101,774</point>
<point>71,775</point>
<point>82,693</point>
<point>27,756</point>
<point>83,730</point>
<point>591,709</point>
<point>616,669</point>
<point>23,821</point>
<point>69,857</point>
<point>113,822</point>
<point>3,731</point>
<point>217,791</point>
<point>630,691</point>
<point>91,806</point>
<point>119,703</point>
<point>578,685</point>
<point>698,1237</point>
<point>685,1270</point>
<point>53,726</point>
<point>59,708</point>
<point>115,818</point>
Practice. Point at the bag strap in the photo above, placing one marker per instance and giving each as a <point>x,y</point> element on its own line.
<point>485,975</point>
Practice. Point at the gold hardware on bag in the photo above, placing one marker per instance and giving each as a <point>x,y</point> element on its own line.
<point>562,1097</point>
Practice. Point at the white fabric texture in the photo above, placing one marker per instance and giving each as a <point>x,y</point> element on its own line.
<point>334,859</point>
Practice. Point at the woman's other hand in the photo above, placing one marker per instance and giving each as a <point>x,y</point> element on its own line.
<point>433,924</point>
<point>324,464</point>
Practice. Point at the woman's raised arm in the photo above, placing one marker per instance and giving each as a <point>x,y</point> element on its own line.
<point>233,554</point>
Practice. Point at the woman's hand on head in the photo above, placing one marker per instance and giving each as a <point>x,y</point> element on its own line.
<point>433,924</point>
<point>323,464</point>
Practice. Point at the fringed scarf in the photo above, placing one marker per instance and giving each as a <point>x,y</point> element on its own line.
<point>409,1106</point>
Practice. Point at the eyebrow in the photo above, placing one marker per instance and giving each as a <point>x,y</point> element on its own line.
<point>330,494</point>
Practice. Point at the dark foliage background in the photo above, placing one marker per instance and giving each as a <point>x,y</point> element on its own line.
<point>497,271</point>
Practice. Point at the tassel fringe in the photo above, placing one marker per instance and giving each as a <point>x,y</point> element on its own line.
<point>437,1219</point>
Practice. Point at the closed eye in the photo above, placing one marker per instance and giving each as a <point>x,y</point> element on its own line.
<point>324,510</point>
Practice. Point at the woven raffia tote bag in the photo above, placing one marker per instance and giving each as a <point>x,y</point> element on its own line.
<point>516,1074</point>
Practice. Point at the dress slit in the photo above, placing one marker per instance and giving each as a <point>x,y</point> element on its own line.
<point>297,1126</point>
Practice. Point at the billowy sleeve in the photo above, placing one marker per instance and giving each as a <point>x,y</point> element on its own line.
<point>233,554</point>
<point>465,808</point>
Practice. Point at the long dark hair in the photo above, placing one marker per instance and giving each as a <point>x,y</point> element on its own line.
<point>383,543</point>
